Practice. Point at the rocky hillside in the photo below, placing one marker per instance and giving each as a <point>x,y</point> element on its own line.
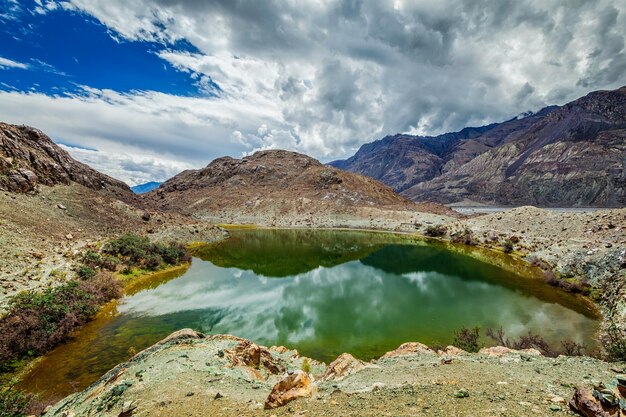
<point>276,188</point>
<point>561,156</point>
<point>29,158</point>
<point>51,206</point>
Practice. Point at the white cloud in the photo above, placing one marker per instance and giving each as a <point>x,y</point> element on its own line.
<point>132,168</point>
<point>7,63</point>
<point>325,77</point>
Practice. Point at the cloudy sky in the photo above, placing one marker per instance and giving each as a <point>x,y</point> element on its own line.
<point>145,88</point>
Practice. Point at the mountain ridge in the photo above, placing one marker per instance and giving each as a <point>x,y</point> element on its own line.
<point>503,165</point>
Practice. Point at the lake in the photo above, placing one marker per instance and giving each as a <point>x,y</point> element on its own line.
<point>323,293</point>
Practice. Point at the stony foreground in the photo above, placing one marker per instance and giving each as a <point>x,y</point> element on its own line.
<point>188,374</point>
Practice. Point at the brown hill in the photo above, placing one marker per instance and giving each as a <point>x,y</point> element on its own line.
<point>274,187</point>
<point>29,158</point>
<point>51,206</point>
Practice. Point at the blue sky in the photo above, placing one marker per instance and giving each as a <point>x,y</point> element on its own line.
<point>143,89</point>
<point>66,49</point>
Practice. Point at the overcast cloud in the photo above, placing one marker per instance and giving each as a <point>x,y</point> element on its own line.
<point>324,77</point>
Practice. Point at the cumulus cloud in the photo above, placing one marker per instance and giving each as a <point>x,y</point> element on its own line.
<point>325,77</point>
<point>132,168</point>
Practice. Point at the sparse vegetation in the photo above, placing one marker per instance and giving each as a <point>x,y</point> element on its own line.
<point>508,246</point>
<point>465,236</point>
<point>37,321</point>
<point>436,231</point>
<point>13,403</point>
<point>535,341</point>
<point>615,342</point>
<point>140,252</point>
<point>306,365</point>
<point>467,339</point>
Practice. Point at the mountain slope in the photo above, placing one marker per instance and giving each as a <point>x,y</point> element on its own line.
<point>29,158</point>
<point>277,188</point>
<point>572,155</point>
<point>402,161</point>
<point>52,206</point>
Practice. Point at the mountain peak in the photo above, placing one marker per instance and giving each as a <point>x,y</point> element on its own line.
<point>29,158</point>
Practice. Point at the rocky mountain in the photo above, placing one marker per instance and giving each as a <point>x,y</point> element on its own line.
<point>29,158</point>
<point>572,155</point>
<point>52,205</point>
<point>273,187</point>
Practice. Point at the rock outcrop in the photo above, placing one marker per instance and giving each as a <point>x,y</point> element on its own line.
<point>29,158</point>
<point>559,157</point>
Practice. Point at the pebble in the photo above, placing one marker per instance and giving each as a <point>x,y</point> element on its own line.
<point>462,393</point>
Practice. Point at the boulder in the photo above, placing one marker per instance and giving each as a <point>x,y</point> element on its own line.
<point>450,351</point>
<point>250,354</point>
<point>409,348</point>
<point>499,351</point>
<point>584,403</point>
<point>344,365</point>
<point>294,385</point>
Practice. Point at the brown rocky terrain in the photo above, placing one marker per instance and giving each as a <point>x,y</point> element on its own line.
<point>29,158</point>
<point>51,206</point>
<point>189,374</point>
<point>281,188</point>
<point>568,156</point>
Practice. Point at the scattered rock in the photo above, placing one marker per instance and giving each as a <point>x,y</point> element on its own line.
<point>344,365</point>
<point>61,206</point>
<point>146,216</point>
<point>294,385</point>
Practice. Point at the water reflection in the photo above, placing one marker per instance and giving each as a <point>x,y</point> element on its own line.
<point>337,292</point>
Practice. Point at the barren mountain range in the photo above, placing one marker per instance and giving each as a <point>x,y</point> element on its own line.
<point>573,155</point>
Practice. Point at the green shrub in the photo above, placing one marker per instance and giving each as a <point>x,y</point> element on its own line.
<point>86,272</point>
<point>507,246</point>
<point>37,321</point>
<point>436,231</point>
<point>141,252</point>
<point>13,403</point>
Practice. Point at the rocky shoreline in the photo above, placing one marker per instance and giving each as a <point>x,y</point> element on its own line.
<point>195,375</point>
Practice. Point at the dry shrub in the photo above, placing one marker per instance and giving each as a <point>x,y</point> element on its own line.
<point>436,231</point>
<point>465,236</point>
<point>467,339</point>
